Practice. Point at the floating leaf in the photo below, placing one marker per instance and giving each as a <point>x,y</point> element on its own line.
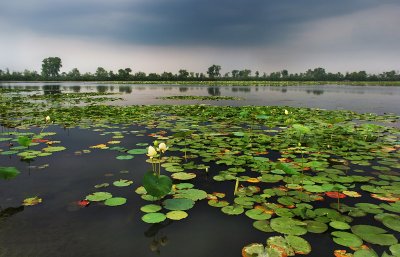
<point>32,201</point>
<point>122,183</point>
<point>262,225</point>
<point>299,245</point>
<point>183,175</point>
<point>137,151</point>
<point>233,210</point>
<point>124,157</point>
<point>346,239</point>
<point>151,208</point>
<point>178,204</point>
<point>115,201</point>
<point>176,215</point>
<point>288,226</point>
<point>193,194</point>
<point>52,149</point>
<point>257,214</point>
<point>154,217</point>
<point>339,225</point>
<point>374,235</point>
<point>98,196</point>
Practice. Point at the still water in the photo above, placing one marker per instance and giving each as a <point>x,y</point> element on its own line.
<point>58,228</point>
<point>363,99</point>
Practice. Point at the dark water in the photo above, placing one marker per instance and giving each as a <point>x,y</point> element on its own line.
<point>363,99</point>
<point>58,228</point>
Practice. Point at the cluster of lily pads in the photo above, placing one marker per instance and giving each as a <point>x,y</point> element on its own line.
<point>202,98</point>
<point>296,170</point>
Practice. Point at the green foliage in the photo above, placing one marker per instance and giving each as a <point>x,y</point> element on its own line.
<point>157,186</point>
<point>8,172</point>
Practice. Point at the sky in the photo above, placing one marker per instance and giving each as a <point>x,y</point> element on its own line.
<point>168,35</point>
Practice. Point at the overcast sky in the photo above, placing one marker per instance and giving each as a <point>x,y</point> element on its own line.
<point>167,35</point>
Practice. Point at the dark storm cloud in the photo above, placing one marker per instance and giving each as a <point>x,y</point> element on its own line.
<point>177,22</point>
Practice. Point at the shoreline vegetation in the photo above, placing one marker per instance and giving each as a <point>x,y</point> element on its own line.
<point>222,82</point>
<point>51,66</point>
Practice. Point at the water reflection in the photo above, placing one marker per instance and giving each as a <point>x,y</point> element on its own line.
<point>158,239</point>
<point>371,99</point>
<point>51,89</point>
<point>10,211</point>
<point>214,91</point>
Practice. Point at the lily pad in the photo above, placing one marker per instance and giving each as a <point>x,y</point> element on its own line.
<point>288,226</point>
<point>178,204</point>
<point>193,194</point>
<point>183,175</point>
<point>115,201</point>
<point>154,217</point>
<point>98,196</point>
<point>374,235</point>
<point>233,210</point>
<point>346,239</point>
<point>176,215</point>
<point>151,208</point>
<point>122,183</point>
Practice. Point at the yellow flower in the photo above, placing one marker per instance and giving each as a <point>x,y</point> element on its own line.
<point>286,112</point>
<point>151,152</point>
<point>47,118</point>
<point>162,147</point>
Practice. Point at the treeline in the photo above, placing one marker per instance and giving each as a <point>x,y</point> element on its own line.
<point>51,72</point>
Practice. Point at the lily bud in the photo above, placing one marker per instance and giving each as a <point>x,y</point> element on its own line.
<point>151,152</point>
<point>162,147</point>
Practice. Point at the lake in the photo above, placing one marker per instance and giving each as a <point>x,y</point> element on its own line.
<point>286,164</point>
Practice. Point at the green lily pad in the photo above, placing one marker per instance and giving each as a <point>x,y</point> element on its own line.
<point>156,186</point>
<point>288,226</point>
<point>374,235</point>
<point>98,196</point>
<point>52,149</point>
<point>137,151</point>
<point>392,223</point>
<point>151,208</point>
<point>183,175</point>
<point>263,225</point>
<point>193,194</point>
<point>176,215</point>
<point>299,245</point>
<point>125,157</point>
<point>115,201</point>
<point>316,226</point>
<point>339,225</point>
<point>257,214</point>
<point>365,253</point>
<point>178,204</point>
<point>233,210</point>
<point>122,183</point>
<point>346,239</point>
<point>154,217</point>
<point>217,203</point>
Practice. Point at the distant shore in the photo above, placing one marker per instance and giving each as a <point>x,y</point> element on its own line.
<point>227,82</point>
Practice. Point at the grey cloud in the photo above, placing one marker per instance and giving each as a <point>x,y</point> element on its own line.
<point>178,22</point>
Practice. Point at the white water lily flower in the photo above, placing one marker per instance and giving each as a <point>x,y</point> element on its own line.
<point>151,152</point>
<point>47,118</point>
<point>286,112</point>
<point>162,147</point>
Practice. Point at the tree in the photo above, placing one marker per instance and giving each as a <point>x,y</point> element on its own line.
<point>235,73</point>
<point>101,73</point>
<point>213,71</point>
<point>74,74</point>
<point>51,67</point>
<point>183,74</point>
